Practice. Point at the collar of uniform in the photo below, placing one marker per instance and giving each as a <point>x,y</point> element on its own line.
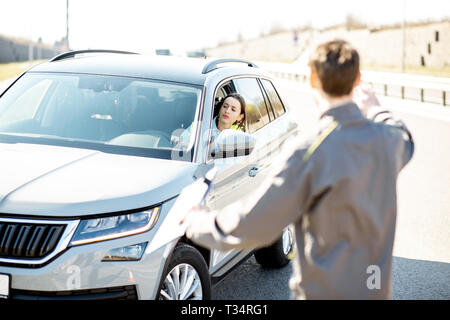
<point>345,113</point>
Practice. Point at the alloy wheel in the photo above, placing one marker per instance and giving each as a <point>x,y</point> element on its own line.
<point>182,283</point>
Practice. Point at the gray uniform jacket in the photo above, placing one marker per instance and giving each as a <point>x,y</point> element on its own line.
<point>338,189</point>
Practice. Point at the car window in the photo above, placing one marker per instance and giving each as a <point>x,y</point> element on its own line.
<point>107,110</point>
<point>256,109</point>
<point>26,105</point>
<point>269,106</point>
<point>221,93</point>
<point>275,100</point>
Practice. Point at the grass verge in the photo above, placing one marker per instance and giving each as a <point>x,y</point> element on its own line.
<point>14,69</point>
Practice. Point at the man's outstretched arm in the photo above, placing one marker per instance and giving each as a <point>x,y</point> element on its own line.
<point>277,203</point>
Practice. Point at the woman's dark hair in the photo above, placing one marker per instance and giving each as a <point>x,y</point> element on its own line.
<point>241,124</point>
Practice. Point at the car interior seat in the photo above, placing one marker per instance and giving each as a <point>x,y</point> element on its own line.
<point>142,115</point>
<point>185,107</point>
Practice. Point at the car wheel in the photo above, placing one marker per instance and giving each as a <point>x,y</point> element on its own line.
<point>187,276</point>
<point>279,253</point>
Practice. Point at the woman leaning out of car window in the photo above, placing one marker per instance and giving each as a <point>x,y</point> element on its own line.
<point>231,116</point>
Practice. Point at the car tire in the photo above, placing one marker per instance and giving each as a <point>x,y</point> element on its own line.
<point>186,277</point>
<point>278,254</point>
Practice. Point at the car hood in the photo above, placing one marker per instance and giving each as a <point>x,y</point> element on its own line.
<point>68,182</point>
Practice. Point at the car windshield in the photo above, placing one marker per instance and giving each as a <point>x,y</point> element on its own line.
<point>111,114</point>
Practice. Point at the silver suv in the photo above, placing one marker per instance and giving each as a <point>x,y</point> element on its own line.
<point>91,165</point>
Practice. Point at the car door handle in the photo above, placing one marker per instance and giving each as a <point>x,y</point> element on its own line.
<point>253,172</point>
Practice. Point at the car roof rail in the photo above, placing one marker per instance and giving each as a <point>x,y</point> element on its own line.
<point>212,65</point>
<point>71,54</point>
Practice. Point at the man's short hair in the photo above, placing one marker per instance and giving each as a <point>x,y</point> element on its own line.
<point>336,63</point>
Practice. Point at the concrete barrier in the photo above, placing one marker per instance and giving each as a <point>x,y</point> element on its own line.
<point>14,51</point>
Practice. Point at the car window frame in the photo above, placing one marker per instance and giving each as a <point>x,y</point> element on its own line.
<point>220,85</point>
<point>207,159</point>
<point>257,78</point>
<point>270,101</point>
<point>269,105</point>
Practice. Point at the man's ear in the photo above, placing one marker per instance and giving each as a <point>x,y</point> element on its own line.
<point>314,80</point>
<point>357,80</point>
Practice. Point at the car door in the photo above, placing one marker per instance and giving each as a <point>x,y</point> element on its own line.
<point>238,177</point>
<point>282,126</point>
<point>268,123</point>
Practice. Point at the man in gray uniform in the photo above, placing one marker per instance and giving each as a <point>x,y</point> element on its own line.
<point>338,188</point>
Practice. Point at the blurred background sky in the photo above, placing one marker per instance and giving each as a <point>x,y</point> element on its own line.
<point>144,25</point>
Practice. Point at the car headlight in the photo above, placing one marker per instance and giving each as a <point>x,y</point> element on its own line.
<point>107,228</point>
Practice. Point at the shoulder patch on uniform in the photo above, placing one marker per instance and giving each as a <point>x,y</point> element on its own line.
<point>325,133</point>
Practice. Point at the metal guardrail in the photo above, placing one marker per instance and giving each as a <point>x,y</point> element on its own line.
<point>411,87</point>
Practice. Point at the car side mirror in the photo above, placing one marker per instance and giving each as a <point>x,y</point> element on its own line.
<point>233,143</point>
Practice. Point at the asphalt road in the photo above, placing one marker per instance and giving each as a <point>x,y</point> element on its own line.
<point>421,264</point>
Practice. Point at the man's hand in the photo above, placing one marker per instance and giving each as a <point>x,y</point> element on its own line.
<point>365,98</point>
<point>191,213</point>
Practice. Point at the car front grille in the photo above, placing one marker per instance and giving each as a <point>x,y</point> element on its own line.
<point>28,240</point>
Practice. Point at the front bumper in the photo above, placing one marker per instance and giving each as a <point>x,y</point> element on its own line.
<point>116,293</point>
<point>79,273</point>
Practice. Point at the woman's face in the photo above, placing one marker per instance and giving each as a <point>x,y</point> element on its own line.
<point>230,112</point>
